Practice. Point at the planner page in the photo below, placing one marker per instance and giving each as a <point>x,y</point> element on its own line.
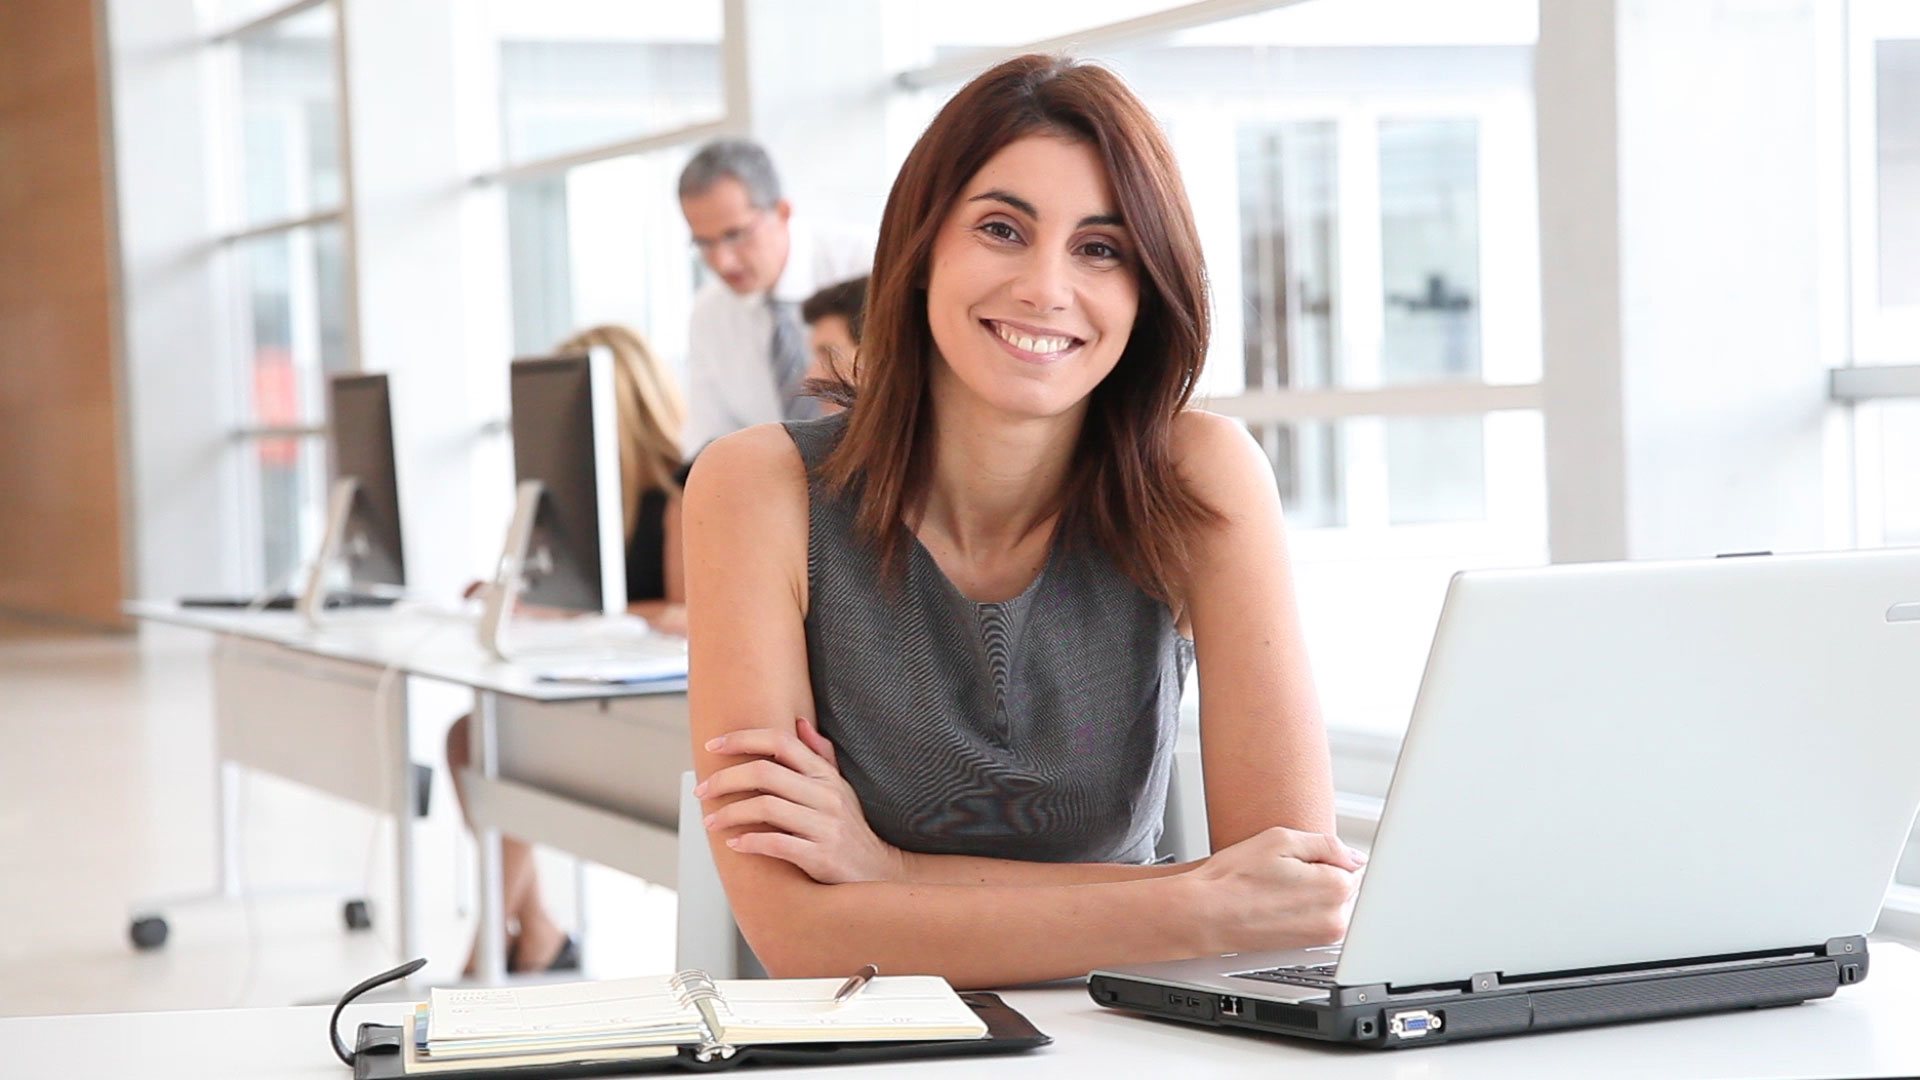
<point>802,1010</point>
<point>645,1011</point>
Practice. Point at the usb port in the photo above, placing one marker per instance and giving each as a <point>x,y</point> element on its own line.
<point>1413,1024</point>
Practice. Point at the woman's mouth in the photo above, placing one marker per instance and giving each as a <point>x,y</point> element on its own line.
<point>1031,344</point>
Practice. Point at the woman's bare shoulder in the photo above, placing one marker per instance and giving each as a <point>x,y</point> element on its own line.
<point>754,463</point>
<point>751,483</point>
<point>1218,458</point>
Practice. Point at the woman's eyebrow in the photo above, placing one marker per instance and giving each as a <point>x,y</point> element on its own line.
<point>1027,208</point>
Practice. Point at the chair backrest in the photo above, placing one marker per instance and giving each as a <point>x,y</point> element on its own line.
<point>708,938</point>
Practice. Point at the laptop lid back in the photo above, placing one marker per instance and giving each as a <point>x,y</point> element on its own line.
<point>1629,762</point>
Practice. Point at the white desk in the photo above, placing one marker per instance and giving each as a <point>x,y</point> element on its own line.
<point>1865,1030</point>
<point>325,706</point>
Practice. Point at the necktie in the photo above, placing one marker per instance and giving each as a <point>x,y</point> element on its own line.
<point>788,357</point>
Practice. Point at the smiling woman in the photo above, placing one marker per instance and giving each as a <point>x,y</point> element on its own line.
<point>939,641</point>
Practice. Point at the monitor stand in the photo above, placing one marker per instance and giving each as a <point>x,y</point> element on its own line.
<point>511,574</point>
<point>313,598</point>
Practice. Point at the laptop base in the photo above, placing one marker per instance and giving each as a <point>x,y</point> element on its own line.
<point>1377,1018</point>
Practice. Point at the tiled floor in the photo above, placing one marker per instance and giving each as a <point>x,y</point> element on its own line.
<point>106,801</point>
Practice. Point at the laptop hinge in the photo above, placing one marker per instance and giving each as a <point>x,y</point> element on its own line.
<point>1847,946</point>
<point>1370,994</point>
<point>1840,947</point>
<point>1850,956</point>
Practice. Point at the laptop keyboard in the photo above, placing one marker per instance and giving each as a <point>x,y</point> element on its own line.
<point>1315,975</point>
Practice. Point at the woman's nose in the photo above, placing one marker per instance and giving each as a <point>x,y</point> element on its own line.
<point>1043,282</point>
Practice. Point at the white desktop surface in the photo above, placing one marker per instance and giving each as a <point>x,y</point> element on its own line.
<point>434,644</point>
<point>1864,1030</point>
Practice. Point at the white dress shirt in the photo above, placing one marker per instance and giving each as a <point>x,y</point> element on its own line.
<point>731,383</point>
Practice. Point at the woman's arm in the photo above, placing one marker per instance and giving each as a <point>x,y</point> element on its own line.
<point>746,521</point>
<point>794,786</point>
<point>1262,748</point>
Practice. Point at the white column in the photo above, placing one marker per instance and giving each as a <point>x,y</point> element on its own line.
<point>1578,143</point>
<point>429,276</point>
<point>1687,275</point>
<point>186,532</point>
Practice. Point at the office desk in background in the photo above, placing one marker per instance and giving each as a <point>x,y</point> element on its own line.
<point>591,770</point>
<point>1864,1030</point>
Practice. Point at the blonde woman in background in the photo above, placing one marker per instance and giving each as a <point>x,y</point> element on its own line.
<point>651,414</point>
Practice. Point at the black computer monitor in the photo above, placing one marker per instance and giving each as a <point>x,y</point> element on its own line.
<point>566,547</point>
<point>363,503</point>
<point>360,428</point>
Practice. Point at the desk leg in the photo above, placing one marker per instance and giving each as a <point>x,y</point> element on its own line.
<point>406,900</point>
<point>226,827</point>
<point>484,747</point>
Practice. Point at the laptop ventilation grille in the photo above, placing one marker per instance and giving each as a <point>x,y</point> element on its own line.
<point>1272,1012</point>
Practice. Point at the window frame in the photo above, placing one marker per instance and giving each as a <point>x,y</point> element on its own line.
<point>227,106</point>
<point>1509,271</point>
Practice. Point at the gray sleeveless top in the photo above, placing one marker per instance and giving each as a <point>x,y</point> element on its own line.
<point>1041,728</point>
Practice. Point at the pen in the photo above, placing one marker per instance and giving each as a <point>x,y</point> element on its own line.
<point>854,984</point>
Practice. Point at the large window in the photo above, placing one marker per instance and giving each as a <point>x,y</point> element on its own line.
<point>581,74</point>
<point>1362,175</point>
<point>1884,102</point>
<point>600,104</point>
<point>601,243</point>
<point>284,256</point>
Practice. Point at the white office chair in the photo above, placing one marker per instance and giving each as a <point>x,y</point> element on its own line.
<point>710,940</point>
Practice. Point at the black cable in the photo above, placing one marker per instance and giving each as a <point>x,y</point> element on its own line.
<point>333,1022</point>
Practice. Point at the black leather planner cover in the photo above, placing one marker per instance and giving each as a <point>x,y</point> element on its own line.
<point>378,1051</point>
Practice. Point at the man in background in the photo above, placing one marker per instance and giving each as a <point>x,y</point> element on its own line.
<point>747,349</point>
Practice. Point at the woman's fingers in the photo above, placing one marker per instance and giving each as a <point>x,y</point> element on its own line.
<point>809,733</point>
<point>769,811</point>
<point>787,749</point>
<point>779,845</point>
<point>1316,848</point>
<point>766,777</point>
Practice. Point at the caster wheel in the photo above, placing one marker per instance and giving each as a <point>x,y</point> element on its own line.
<point>148,932</point>
<point>356,915</point>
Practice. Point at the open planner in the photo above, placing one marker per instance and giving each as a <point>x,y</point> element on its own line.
<point>654,1016</point>
<point>687,1020</point>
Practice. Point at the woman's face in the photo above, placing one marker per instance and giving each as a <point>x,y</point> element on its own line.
<point>1032,290</point>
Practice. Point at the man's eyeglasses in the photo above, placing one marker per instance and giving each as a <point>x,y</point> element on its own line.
<point>732,238</point>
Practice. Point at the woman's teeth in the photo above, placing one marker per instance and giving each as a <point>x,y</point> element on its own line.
<point>1041,345</point>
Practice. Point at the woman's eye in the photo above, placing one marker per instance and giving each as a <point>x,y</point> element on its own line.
<point>999,230</point>
<point>1099,249</point>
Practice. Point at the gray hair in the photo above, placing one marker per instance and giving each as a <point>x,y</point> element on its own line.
<point>742,159</point>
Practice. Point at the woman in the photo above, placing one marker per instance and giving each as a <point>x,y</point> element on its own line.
<point>650,417</point>
<point>938,641</point>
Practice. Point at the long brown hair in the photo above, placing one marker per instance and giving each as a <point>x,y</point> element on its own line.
<point>650,414</point>
<point>1122,491</point>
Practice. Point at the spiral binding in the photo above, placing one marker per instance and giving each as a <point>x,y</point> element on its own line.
<point>696,988</point>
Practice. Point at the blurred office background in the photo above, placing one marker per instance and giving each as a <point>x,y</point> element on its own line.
<point>1495,282</point>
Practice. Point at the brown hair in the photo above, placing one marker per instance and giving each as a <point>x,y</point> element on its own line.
<point>847,299</point>
<point>1122,491</point>
<point>650,414</point>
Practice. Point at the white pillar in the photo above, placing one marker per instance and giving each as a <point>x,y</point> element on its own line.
<point>180,401</point>
<point>427,260</point>
<point>1688,278</point>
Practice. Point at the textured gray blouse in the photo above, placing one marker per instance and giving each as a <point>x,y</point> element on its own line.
<point>1041,728</point>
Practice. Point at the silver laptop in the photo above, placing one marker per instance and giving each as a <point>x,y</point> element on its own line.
<point>1628,790</point>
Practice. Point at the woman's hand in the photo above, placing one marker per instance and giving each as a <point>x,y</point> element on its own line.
<point>1279,889</point>
<point>804,810</point>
